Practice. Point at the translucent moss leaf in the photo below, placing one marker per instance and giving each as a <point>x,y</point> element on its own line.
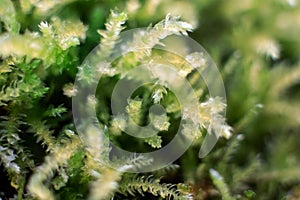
<point>160,122</point>
<point>134,110</point>
<point>158,94</point>
<point>154,141</point>
<point>144,185</point>
<point>55,112</point>
<point>68,33</point>
<point>110,36</point>
<point>220,184</point>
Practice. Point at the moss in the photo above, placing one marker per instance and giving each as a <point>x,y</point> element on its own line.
<point>44,155</point>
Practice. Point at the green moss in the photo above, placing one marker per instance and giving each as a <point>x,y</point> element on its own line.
<point>256,47</point>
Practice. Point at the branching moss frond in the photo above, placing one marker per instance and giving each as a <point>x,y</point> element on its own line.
<point>53,161</point>
<point>143,185</point>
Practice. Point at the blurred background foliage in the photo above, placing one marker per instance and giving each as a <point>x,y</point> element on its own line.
<point>256,46</point>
